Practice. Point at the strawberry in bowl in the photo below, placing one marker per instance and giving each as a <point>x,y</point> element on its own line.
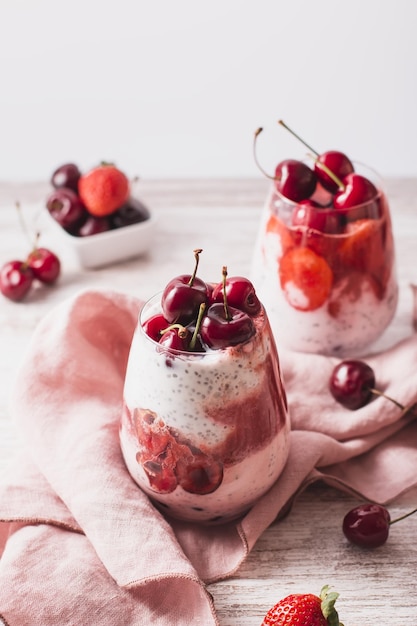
<point>98,215</point>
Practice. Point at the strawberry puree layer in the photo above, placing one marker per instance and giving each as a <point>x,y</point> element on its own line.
<point>205,435</point>
<point>329,293</point>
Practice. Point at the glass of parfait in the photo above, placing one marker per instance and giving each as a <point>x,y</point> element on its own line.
<point>205,426</point>
<point>324,266</point>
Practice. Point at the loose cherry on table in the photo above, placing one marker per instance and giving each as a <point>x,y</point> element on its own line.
<point>224,325</point>
<point>183,295</point>
<point>368,525</point>
<point>17,276</point>
<point>45,265</point>
<point>352,383</point>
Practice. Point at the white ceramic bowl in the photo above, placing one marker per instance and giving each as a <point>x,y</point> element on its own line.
<point>112,246</point>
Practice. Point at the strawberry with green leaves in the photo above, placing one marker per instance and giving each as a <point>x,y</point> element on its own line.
<point>305,610</point>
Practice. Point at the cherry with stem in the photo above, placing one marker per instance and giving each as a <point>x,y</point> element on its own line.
<point>320,163</point>
<point>368,525</point>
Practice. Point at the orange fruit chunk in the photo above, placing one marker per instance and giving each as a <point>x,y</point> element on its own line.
<point>306,279</point>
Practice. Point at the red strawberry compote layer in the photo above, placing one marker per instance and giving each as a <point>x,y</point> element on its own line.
<point>204,434</point>
<point>331,290</point>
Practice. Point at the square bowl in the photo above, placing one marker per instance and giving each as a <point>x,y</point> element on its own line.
<point>112,246</point>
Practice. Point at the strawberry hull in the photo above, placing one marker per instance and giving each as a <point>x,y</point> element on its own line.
<point>330,293</point>
<point>205,434</point>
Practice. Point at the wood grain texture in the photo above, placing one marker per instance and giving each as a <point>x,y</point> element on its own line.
<point>307,548</point>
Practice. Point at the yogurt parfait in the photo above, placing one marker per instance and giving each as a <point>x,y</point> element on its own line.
<point>324,262</point>
<point>205,426</point>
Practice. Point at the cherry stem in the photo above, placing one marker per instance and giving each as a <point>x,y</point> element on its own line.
<point>182,331</point>
<point>25,229</point>
<point>197,253</point>
<point>265,173</point>
<point>201,312</point>
<point>398,519</point>
<point>298,137</point>
<point>376,392</point>
<point>225,304</point>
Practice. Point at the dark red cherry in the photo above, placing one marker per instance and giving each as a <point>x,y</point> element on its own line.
<point>295,180</point>
<point>240,293</point>
<point>199,473</point>
<point>338,164</point>
<point>93,226</point>
<point>183,295</point>
<point>310,214</point>
<point>357,190</point>
<point>352,383</point>
<point>154,325</point>
<point>219,330</point>
<point>45,265</point>
<point>16,279</point>
<point>367,525</point>
<point>177,337</point>
<point>66,208</point>
<point>66,175</point>
<point>133,212</point>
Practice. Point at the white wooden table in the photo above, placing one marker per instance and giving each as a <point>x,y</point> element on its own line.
<point>307,549</point>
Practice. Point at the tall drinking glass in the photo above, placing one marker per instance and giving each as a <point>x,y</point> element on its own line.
<point>204,434</point>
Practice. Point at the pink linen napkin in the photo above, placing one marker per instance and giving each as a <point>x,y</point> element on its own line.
<point>80,542</point>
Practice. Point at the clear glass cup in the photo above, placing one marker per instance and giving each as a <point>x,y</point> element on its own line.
<point>206,434</point>
<point>327,291</point>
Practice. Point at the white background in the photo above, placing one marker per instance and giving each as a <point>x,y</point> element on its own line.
<point>176,88</point>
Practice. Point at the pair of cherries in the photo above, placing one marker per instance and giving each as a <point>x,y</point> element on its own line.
<point>17,277</point>
<point>335,173</point>
<point>352,383</point>
<point>196,314</point>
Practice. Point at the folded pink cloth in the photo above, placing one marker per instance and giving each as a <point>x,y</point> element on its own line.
<point>80,542</point>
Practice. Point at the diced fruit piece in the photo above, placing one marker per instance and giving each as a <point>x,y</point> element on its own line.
<point>103,189</point>
<point>198,472</point>
<point>306,279</point>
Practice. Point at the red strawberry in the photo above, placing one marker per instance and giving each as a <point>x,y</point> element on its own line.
<point>306,279</point>
<point>103,189</point>
<point>304,610</point>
